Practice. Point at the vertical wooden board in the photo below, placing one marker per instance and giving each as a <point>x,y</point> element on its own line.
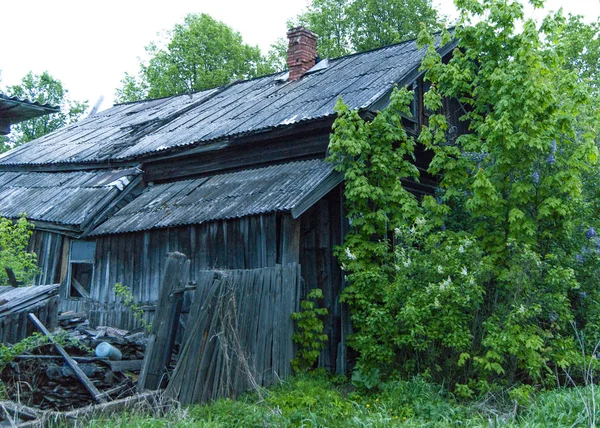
<point>64,261</point>
<point>250,318</point>
<point>214,246</point>
<point>221,244</point>
<point>41,255</point>
<point>56,260</point>
<point>145,262</point>
<point>270,231</point>
<point>308,257</point>
<point>241,309</point>
<point>278,322</point>
<point>290,240</point>
<point>154,257</point>
<point>211,380</point>
<point>52,319</point>
<point>259,230</point>
<point>32,247</point>
<point>116,271</point>
<point>202,242</point>
<point>107,265</point>
<point>193,256</point>
<point>21,326</point>
<point>264,328</point>
<point>121,264</point>
<point>209,346</point>
<point>173,239</point>
<point>230,244</point>
<point>251,243</point>
<point>324,282</point>
<point>184,241</point>
<point>196,335</point>
<point>243,231</point>
<point>45,249</point>
<point>129,248</point>
<point>98,269</point>
<point>136,267</point>
<point>164,250</point>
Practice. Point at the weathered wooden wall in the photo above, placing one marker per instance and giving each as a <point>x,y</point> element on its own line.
<point>320,232</point>
<point>137,260</point>
<point>50,248</point>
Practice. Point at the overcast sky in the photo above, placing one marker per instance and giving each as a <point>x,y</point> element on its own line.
<point>90,45</point>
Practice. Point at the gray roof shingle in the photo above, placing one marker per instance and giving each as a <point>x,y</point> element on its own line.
<point>65,198</point>
<point>252,191</point>
<point>132,131</point>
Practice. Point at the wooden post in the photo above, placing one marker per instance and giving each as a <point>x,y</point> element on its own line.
<point>12,279</point>
<point>164,326</point>
<point>98,396</point>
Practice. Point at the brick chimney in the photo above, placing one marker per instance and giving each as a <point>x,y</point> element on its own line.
<point>302,51</point>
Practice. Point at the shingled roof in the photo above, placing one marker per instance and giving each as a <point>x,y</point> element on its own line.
<point>131,132</point>
<point>70,199</point>
<point>292,187</point>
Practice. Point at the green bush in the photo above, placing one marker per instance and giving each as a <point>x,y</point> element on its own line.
<point>14,239</point>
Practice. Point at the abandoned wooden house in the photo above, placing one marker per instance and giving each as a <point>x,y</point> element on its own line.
<point>234,177</point>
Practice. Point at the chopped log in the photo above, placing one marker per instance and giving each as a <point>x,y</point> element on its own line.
<point>164,327</point>
<point>70,362</point>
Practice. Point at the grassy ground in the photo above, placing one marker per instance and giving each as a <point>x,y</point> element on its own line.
<point>320,402</point>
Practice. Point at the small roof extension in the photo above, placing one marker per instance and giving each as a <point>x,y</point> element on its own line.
<point>14,110</point>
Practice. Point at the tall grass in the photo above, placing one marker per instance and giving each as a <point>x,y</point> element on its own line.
<point>308,401</point>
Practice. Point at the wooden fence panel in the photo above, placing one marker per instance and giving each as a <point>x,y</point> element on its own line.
<point>238,333</point>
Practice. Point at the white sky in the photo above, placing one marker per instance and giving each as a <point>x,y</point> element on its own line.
<point>89,45</point>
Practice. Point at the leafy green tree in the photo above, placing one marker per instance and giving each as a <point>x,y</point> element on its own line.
<point>44,89</point>
<point>484,282</point>
<point>526,157</point>
<point>347,26</point>
<point>199,54</point>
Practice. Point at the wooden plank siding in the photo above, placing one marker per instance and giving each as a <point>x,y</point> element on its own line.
<point>320,232</point>
<point>137,260</point>
<point>48,247</point>
<point>252,242</point>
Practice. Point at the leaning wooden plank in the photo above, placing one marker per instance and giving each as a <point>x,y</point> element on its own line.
<point>70,362</point>
<point>80,288</point>
<point>166,320</point>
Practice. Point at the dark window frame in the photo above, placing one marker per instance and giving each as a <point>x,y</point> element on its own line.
<point>81,256</point>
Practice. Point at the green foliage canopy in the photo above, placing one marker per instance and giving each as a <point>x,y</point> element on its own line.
<point>348,26</point>
<point>45,89</point>
<point>198,54</point>
<point>485,281</point>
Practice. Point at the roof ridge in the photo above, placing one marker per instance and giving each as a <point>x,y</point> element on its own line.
<point>226,85</point>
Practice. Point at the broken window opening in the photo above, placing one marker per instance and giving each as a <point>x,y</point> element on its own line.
<point>81,268</point>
